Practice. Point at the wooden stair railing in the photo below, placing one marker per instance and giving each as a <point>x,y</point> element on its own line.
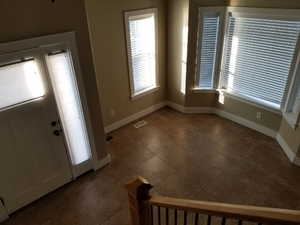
<point>158,210</point>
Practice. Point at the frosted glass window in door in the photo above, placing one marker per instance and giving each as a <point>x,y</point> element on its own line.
<point>69,104</point>
<point>20,82</point>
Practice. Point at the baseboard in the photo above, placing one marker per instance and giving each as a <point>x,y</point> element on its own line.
<point>102,162</point>
<point>3,213</point>
<point>198,110</point>
<point>287,150</point>
<point>297,161</point>
<point>133,117</point>
<point>189,110</point>
<point>175,106</point>
<point>3,218</point>
<point>247,123</point>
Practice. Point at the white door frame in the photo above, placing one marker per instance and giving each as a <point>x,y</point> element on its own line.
<point>68,40</point>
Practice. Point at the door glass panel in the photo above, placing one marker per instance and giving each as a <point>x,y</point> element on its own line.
<point>20,82</point>
<point>67,96</point>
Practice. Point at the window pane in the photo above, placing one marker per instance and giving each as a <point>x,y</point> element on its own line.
<point>19,83</point>
<point>142,52</point>
<point>67,97</point>
<point>208,48</point>
<point>258,57</point>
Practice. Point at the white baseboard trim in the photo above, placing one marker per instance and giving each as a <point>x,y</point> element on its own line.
<point>175,106</point>
<point>250,124</point>
<point>3,218</point>
<point>3,213</point>
<point>247,123</point>
<point>198,110</point>
<point>133,117</point>
<point>189,110</point>
<point>102,162</point>
<point>297,161</point>
<point>287,150</point>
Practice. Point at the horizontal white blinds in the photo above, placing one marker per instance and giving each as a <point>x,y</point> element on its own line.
<point>142,52</point>
<point>208,46</point>
<point>258,57</point>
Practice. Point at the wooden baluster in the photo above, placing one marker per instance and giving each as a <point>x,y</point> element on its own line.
<point>167,216</point>
<point>151,214</point>
<point>196,218</point>
<point>185,218</point>
<point>208,220</point>
<point>159,217</point>
<point>223,221</point>
<point>240,222</point>
<point>138,194</point>
<point>175,217</point>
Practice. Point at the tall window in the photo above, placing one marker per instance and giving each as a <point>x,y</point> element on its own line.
<point>208,36</point>
<point>257,57</point>
<point>141,33</point>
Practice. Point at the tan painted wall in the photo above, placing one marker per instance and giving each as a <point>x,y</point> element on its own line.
<point>177,21</point>
<point>265,3</point>
<point>291,136</point>
<point>110,56</point>
<point>247,111</point>
<point>32,18</point>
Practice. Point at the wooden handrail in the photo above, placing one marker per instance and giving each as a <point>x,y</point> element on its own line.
<point>243,212</point>
<point>141,205</point>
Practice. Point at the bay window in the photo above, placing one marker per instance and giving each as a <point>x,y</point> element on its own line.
<point>260,47</point>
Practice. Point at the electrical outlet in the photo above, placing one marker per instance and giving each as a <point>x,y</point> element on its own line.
<point>258,115</point>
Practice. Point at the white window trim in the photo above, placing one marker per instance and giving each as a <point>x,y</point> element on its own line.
<point>202,11</point>
<point>140,14</point>
<point>290,14</point>
<point>293,118</point>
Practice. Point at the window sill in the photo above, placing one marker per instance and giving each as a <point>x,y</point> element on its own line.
<point>198,90</point>
<point>144,92</point>
<point>250,101</point>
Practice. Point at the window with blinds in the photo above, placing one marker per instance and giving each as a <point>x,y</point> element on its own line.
<point>257,58</point>
<point>207,49</point>
<point>141,47</point>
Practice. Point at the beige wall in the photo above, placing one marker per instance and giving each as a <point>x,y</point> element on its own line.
<point>265,3</point>
<point>291,136</point>
<point>110,56</point>
<point>248,111</point>
<point>178,11</point>
<point>32,18</point>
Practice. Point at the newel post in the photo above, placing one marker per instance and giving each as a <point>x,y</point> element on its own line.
<point>138,194</point>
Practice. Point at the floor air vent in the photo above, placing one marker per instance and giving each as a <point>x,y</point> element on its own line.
<point>140,124</point>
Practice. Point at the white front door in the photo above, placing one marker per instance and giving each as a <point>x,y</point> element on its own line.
<point>33,156</point>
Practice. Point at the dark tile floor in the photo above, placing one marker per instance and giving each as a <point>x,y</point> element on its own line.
<point>202,157</point>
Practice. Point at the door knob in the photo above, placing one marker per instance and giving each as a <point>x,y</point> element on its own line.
<point>56,132</point>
